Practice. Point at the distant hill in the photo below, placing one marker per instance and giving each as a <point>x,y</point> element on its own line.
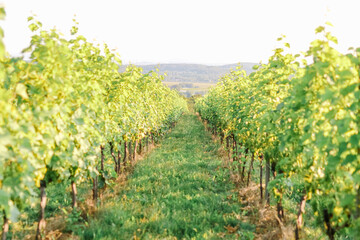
<point>191,73</point>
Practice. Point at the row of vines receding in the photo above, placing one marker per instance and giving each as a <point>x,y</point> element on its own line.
<point>62,108</point>
<point>297,118</point>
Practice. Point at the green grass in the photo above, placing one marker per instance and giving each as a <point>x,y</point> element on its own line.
<point>181,191</point>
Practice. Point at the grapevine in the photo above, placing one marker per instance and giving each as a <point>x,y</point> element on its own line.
<point>61,108</point>
<point>300,117</point>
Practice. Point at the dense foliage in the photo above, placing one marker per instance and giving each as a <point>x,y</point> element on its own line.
<point>61,108</point>
<point>302,118</point>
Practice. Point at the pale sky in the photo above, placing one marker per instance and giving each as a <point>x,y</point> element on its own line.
<point>188,31</point>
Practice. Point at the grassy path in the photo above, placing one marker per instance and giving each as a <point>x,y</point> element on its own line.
<point>179,192</point>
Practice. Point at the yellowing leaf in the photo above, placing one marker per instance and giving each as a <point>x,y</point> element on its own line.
<point>319,29</point>
<point>21,90</point>
<point>2,13</point>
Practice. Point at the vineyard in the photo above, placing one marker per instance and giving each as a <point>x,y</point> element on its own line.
<point>73,125</point>
<point>60,109</point>
<point>296,117</point>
